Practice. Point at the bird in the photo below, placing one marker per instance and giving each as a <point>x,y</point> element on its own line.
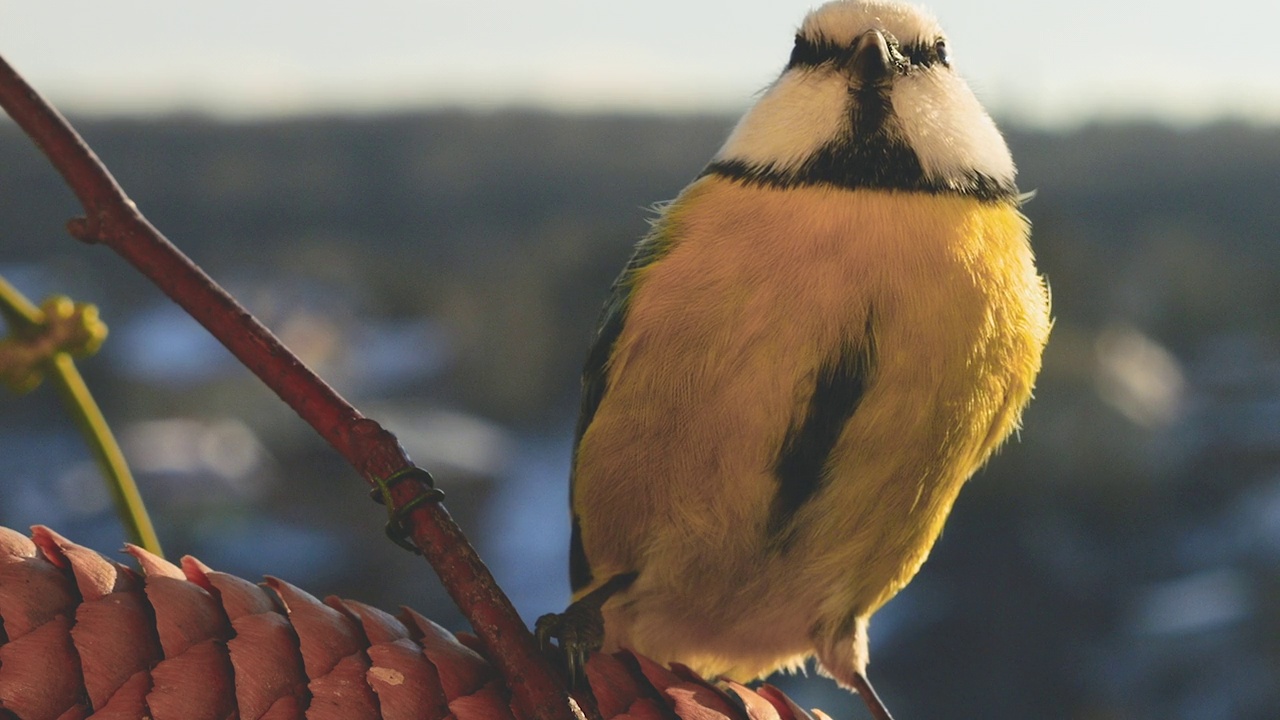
<point>813,348</point>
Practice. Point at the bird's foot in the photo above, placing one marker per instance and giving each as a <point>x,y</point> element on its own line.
<point>579,631</point>
<point>580,628</point>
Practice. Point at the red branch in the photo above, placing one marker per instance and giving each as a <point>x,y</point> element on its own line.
<point>112,219</point>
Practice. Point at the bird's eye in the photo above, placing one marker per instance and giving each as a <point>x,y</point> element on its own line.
<point>943,54</point>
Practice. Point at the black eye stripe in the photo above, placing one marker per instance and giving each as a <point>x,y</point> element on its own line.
<point>927,54</point>
<point>808,53</point>
<point>923,55</point>
<point>812,53</point>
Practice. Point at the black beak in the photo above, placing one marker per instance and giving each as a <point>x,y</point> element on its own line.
<point>872,61</point>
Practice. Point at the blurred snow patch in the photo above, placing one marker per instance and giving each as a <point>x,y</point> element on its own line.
<point>191,452</point>
<point>1138,376</point>
<point>1204,601</point>
<point>162,344</point>
<point>449,439</point>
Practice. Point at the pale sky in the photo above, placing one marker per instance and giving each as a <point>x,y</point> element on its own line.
<point>1047,62</point>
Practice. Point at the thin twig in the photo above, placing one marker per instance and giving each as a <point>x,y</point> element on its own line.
<point>113,220</point>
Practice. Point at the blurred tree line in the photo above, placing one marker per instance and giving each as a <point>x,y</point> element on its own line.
<point>1120,560</point>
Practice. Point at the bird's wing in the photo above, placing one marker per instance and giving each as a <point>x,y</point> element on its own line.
<point>612,318</point>
<point>595,372</point>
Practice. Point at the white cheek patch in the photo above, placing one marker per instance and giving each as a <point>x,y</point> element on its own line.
<point>940,118</point>
<point>794,119</point>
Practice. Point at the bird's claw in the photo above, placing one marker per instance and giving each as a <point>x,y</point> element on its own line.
<point>580,632</point>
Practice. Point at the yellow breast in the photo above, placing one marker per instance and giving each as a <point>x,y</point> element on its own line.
<point>722,342</point>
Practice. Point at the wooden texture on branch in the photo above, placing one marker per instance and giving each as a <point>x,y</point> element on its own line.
<point>112,219</point>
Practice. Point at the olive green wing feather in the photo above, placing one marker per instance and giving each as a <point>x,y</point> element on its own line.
<point>595,372</point>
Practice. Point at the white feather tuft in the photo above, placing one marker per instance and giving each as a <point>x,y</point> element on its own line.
<point>842,21</point>
<point>797,115</point>
<point>953,136</point>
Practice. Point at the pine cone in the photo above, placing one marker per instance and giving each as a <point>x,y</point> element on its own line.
<point>84,636</point>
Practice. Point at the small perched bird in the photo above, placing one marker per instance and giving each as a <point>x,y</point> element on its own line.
<point>816,345</point>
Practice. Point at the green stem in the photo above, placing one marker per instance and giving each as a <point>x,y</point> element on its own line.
<point>25,317</point>
<point>102,443</point>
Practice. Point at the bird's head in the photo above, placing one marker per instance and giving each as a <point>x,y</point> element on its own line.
<point>870,99</point>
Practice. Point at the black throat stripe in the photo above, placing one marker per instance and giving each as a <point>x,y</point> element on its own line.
<point>801,465</point>
<point>871,164</point>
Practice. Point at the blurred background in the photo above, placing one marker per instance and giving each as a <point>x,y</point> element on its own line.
<point>428,200</point>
